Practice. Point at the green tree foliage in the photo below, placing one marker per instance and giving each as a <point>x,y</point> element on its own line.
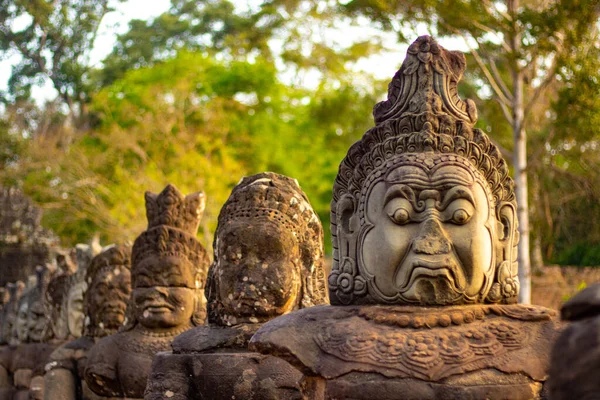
<point>201,125</point>
<point>53,40</point>
<point>570,168</point>
<point>294,32</point>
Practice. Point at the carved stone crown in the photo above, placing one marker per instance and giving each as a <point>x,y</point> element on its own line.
<point>172,208</point>
<point>117,255</point>
<point>269,195</point>
<point>423,114</point>
<point>173,220</point>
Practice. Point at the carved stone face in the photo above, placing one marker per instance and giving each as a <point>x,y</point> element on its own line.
<point>108,295</point>
<point>75,315</point>
<point>59,326</point>
<point>258,269</point>
<point>36,321</point>
<point>21,328</point>
<point>432,235</point>
<point>163,296</point>
<point>10,318</point>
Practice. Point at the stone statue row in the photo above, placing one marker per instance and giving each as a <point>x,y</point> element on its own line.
<point>423,287</point>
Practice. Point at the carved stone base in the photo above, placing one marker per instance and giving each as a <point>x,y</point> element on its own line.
<point>391,352</point>
<point>222,376</point>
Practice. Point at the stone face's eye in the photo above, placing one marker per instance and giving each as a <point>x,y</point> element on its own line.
<point>400,216</point>
<point>460,217</point>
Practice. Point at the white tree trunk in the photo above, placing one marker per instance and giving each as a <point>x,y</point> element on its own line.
<point>520,161</point>
<point>520,165</point>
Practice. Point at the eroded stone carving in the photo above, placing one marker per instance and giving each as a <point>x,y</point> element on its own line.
<point>56,295</point>
<point>424,273</point>
<point>268,261</point>
<point>168,276</point>
<point>10,310</point>
<point>108,280</point>
<point>24,362</point>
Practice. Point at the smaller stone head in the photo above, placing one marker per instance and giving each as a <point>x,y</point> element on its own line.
<point>74,305</point>
<point>36,320</point>
<point>66,262</point>
<point>20,326</point>
<point>268,253</point>
<point>108,280</point>
<point>55,305</point>
<point>169,265</point>
<point>30,325</point>
<point>9,313</point>
<point>4,296</point>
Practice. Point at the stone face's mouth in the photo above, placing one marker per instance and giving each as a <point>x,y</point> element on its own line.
<point>435,266</point>
<point>158,307</point>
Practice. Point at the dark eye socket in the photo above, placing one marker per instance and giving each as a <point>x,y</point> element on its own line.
<point>400,216</point>
<point>460,217</point>
<point>143,281</point>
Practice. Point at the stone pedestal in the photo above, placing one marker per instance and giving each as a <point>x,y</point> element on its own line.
<point>223,376</point>
<point>393,352</point>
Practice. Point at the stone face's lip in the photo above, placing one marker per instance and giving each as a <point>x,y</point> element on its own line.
<point>158,308</point>
<point>432,266</point>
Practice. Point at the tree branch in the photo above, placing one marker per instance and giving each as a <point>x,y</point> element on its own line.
<point>508,155</point>
<point>499,79</point>
<point>506,112</point>
<point>489,30</point>
<point>502,13</point>
<point>550,74</point>
<point>501,97</point>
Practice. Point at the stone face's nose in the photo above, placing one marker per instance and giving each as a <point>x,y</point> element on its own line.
<point>432,239</point>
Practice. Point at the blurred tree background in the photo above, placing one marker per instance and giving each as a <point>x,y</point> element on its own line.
<point>209,91</point>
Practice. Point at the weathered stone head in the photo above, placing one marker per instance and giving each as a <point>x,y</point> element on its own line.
<point>169,265</point>
<point>108,280</point>
<point>4,296</point>
<point>9,312</point>
<point>423,208</point>
<point>30,325</point>
<point>55,306</point>
<point>268,253</point>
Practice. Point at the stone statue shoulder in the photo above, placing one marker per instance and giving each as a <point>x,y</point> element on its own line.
<point>423,343</point>
<point>7,357</point>
<point>33,356</point>
<point>212,338</point>
<point>101,371</point>
<point>69,354</point>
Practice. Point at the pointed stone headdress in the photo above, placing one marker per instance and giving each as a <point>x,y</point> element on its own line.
<point>173,221</point>
<point>423,114</point>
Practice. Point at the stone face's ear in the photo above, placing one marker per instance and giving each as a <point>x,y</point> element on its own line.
<point>506,284</point>
<point>507,222</point>
<point>345,215</point>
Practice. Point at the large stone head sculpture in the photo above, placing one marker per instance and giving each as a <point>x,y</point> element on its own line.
<point>108,280</point>
<point>268,253</point>
<point>169,265</point>
<point>423,208</point>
